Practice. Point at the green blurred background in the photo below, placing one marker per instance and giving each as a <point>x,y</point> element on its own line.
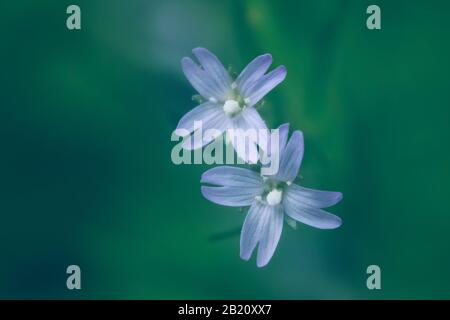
<point>86,175</point>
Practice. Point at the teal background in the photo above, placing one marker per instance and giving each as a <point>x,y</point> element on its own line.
<point>86,176</point>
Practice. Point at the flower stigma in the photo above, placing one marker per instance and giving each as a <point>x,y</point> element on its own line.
<point>231,108</point>
<point>274,197</point>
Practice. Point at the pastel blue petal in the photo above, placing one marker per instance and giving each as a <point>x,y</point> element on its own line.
<point>283,136</point>
<point>253,71</point>
<point>254,121</point>
<point>216,71</point>
<point>309,215</point>
<point>291,158</point>
<point>203,112</point>
<point>253,228</point>
<point>313,198</point>
<point>200,80</point>
<point>283,131</point>
<point>264,85</point>
<point>246,135</point>
<point>245,147</point>
<point>275,146</point>
<point>231,196</point>
<point>219,122</point>
<point>270,236</point>
<point>232,177</point>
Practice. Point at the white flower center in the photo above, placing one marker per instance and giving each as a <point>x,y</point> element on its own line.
<point>231,107</point>
<point>274,197</point>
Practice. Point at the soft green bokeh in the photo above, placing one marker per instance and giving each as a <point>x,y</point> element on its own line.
<point>86,175</point>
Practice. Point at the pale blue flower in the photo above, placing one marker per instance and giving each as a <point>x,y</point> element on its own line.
<point>271,198</point>
<point>228,103</point>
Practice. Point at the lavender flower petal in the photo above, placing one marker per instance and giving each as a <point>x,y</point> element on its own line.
<point>283,131</point>
<point>216,71</point>
<point>283,136</point>
<point>309,215</point>
<point>253,71</point>
<point>200,79</point>
<point>244,140</point>
<point>270,236</point>
<point>264,85</point>
<point>203,112</point>
<point>232,177</point>
<point>313,198</point>
<point>254,121</point>
<point>231,196</point>
<point>253,228</point>
<point>219,122</point>
<point>291,158</point>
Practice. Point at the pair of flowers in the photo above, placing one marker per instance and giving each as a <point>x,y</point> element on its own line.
<point>229,104</point>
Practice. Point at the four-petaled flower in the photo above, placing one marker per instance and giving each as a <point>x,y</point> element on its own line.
<point>229,104</point>
<point>271,198</point>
